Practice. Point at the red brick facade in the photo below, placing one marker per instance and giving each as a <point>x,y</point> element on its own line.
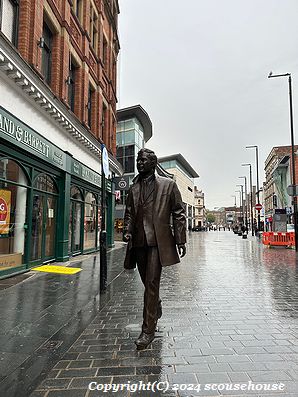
<point>95,68</point>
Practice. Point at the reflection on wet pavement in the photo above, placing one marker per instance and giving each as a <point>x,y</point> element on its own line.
<point>229,316</point>
<point>43,315</point>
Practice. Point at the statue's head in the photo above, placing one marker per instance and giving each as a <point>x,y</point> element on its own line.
<point>146,161</point>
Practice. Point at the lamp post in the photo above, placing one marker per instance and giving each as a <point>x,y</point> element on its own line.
<point>240,201</point>
<point>245,195</point>
<point>251,211</point>
<point>258,185</point>
<point>241,187</point>
<point>292,151</point>
<point>235,205</point>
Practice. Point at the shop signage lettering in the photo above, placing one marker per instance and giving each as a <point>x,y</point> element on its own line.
<point>24,136</point>
<point>86,173</point>
<point>5,200</point>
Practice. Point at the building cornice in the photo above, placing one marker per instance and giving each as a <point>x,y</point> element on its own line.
<point>24,78</point>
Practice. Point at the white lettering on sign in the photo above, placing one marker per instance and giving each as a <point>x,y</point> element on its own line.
<point>23,136</point>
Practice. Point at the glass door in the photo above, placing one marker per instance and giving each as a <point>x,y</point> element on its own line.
<point>75,230</point>
<point>43,227</point>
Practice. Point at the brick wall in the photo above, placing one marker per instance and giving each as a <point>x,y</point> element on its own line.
<point>71,36</point>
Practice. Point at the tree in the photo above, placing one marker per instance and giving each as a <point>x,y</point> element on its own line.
<point>210,218</point>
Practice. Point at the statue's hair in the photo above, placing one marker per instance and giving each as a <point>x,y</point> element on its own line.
<point>152,156</point>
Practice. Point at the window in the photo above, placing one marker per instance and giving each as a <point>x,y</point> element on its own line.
<point>13,209</point>
<point>93,30</point>
<point>47,53</point>
<point>90,221</point>
<point>105,53</point>
<point>77,8</point>
<point>126,157</point>
<point>9,19</point>
<point>71,85</point>
<point>104,122</point>
<point>90,104</point>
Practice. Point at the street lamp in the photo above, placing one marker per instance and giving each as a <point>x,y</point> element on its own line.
<point>241,187</point>
<point>245,193</point>
<point>240,201</point>
<point>251,212</point>
<point>258,185</point>
<point>292,150</point>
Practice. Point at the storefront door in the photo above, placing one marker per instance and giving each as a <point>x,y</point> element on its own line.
<point>43,227</point>
<point>75,229</point>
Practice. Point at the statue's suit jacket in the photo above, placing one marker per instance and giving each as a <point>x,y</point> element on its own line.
<point>167,202</point>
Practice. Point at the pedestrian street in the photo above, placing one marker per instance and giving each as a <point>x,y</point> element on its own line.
<point>229,317</point>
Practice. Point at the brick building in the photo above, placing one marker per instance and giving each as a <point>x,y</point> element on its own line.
<point>58,63</point>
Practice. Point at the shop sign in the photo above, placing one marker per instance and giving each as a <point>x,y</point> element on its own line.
<point>5,200</point>
<point>80,170</point>
<point>25,137</point>
<point>10,260</point>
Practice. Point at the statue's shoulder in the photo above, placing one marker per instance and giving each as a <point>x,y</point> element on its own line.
<point>165,181</point>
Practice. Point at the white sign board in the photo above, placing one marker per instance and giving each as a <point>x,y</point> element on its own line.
<point>105,161</point>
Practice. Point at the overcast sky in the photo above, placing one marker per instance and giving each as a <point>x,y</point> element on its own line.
<point>199,68</point>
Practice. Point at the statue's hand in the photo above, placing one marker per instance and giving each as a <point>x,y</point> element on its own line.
<point>181,250</point>
<point>127,237</point>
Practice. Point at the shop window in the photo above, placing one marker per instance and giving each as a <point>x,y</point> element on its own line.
<point>9,19</point>
<point>75,221</point>
<point>46,44</point>
<point>13,209</point>
<point>44,218</point>
<point>75,193</point>
<point>93,29</point>
<point>46,183</point>
<point>90,221</point>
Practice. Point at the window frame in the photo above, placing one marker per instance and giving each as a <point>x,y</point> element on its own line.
<point>15,22</point>
<point>94,28</point>
<point>47,50</point>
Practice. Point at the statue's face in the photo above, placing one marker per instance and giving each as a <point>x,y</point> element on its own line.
<point>144,164</point>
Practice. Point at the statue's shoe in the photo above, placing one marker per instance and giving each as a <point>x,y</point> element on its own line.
<point>144,340</point>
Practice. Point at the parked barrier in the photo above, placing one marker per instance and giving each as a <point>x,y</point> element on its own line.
<point>286,239</point>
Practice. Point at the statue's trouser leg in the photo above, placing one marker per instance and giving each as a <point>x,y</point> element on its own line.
<point>150,271</point>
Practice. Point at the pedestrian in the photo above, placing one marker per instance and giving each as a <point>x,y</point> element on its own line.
<point>152,244</point>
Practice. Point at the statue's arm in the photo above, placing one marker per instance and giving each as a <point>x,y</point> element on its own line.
<point>128,218</point>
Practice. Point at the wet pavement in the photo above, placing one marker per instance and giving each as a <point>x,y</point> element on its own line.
<point>230,316</point>
<point>42,314</point>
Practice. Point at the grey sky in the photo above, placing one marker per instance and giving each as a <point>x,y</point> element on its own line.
<point>199,68</point>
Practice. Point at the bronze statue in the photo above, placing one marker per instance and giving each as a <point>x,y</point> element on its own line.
<point>152,203</point>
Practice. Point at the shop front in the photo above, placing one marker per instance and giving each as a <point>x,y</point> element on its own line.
<point>50,203</point>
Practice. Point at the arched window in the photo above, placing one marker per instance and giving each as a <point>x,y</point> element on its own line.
<point>75,193</point>
<point>46,183</point>
<point>90,221</point>
<point>11,171</point>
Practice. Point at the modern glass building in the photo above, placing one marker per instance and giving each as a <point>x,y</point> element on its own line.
<point>134,129</point>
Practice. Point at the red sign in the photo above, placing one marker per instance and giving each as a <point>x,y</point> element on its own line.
<point>259,207</point>
<point>5,198</point>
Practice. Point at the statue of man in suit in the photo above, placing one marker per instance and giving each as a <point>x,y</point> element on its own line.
<point>153,202</point>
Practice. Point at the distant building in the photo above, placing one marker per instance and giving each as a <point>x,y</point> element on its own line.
<point>184,176</point>
<point>199,208</point>
<point>278,167</point>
